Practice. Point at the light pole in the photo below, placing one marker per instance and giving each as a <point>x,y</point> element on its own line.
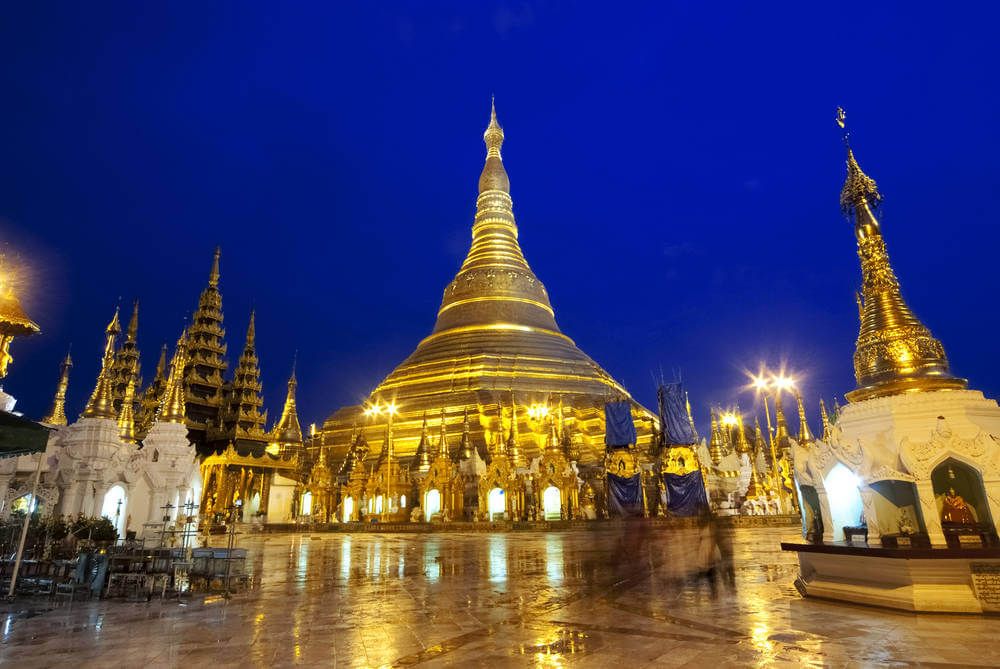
<point>769,384</point>
<point>390,410</point>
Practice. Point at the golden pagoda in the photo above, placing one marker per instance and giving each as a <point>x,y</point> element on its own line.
<point>206,359</point>
<point>495,341</point>
<point>895,352</point>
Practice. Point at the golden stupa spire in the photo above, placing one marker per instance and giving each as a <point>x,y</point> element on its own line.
<point>781,445</point>
<point>715,443</point>
<point>443,449</point>
<point>213,274</point>
<point>288,429</point>
<point>101,402</point>
<point>14,322</point>
<point>825,419</point>
<point>173,407</point>
<point>423,455</point>
<point>513,438</point>
<point>805,434</point>
<point>895,352</point>
<point>132,331</point>
<point>57,415</point>
<point>126,416</point>
<point>465,446</point>
<point>756,487</point>
<point>742,445</point>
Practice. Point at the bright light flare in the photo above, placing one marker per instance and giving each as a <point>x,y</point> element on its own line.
<point>729,419</point>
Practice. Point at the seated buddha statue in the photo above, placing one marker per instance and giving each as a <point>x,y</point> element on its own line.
<point>955,510</point>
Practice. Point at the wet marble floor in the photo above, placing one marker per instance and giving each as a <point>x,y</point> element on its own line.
<point>581,598</point>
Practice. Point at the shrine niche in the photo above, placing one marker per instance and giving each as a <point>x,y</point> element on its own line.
<point>501,491</point>
<point>961,502</point>
<point>624,489</point>
<point>555,486</point>
<point>442,491</point>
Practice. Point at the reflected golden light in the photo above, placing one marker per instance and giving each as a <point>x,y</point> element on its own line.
<point>729,419</point>
<point>538,411</point>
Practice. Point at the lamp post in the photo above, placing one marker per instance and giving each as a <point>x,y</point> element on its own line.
<point>768,384</point>
<point>390,410</point>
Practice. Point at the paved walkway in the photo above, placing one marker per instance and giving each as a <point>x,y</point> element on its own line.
<point>576,598</point>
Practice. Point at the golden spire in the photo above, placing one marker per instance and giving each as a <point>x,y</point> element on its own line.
<point>242,416</point>
<point>756,487</point>
<point>133,323</point>
<point>895,352</point>
<point>715,443</point>
<point>126,364</point>
<point>513,439</point>
<point>805,435</point>
<point>213,275</point>
<point>423,454</point>
<point>465,446</point>
<point>687,405</point>
<point>126,417</point>
<point>288,428</point>
<point>782,445</point>
<point>57,416</point>
<point>101,402</point>
<point>825,419</point>
<point>443,449</point>
<point>742,446</point>
<point>173,407</point>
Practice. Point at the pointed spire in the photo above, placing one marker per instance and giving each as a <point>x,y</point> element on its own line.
<point>443,450</point>
<point>513,438</point>
<point>825,420</point>
<point>782,445</point>
<point>213,275</point>
<point>288,429</point>
<point>173,408</point>
<point>742,445</point>
<point>465,445</point>
<point>756,487</point>
<point>57,415</point>
<point>895,352</point>
<point>805,434</point>
<point>241,415</point>
<point>161,365</point>
<point>101,402</point>
<point>715,444</point>
<point>251,342</point>
<point>126,417</point>
<point>423,454</point>
<point>687,405</point>
<point>133,323</point>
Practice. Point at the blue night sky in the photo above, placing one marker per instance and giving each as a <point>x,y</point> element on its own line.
<point>675,170</point>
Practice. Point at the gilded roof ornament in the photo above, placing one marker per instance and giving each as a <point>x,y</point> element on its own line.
<point>101,402</point>
<point>895,351</point>
<point>173,407</point>
<point>126,417</point>
<point>805,434</point>
<point>57,415</point>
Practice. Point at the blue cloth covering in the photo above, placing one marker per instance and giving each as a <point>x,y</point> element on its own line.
<point>677,428</point>
<point>625,495</point>
<point>685,494</point>
<point>620,428</point>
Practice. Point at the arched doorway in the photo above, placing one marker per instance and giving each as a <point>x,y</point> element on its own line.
<point>348,508</point>
<point>552,503</point>
<point>496,503</point>
<point>306,504</point>
<point>378,504</point>
<point>844,499</point>
<point>432,503</point>
<point>113,508</point>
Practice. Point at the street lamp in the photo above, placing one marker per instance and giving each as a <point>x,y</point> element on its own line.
<point>390,410</point>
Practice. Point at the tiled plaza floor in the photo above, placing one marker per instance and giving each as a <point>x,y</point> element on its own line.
<point>584,598</point>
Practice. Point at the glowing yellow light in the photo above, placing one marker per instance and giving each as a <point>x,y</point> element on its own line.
<point>729,419</point>
<point>390,409</point>
<point>782,382</point>
<point>538,411</point>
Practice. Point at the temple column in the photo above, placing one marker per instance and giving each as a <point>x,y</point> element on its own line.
<point>929,510</point>
<point>265,493</point>
<point>871,520</point>
<point>824,509</point>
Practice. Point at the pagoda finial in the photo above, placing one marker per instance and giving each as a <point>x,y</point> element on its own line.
<point>133,323</point>
<point>57,415</point>
<point>251,342</point>
<point>513,438</point>
<point>288,428</point>
<point>173,407</point>
<point>465,446</point>
<point>781,442</point>
<point>126,417</point>
<point>494,176</point>
<point>895,352</point>
<point>161,365</point>
<point>715,443</point>
<point>443,449</point>
<point>742,445</point>
<point>213,275</point>
<point>101,402</point>
<point>825,418</point>
<point>805,434</point>
<point>423,455</point>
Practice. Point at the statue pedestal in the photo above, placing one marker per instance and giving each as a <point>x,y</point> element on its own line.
<point>942,580</point>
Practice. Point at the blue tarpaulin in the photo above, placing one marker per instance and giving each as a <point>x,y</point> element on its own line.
<point>620,428</point>
<point>677,427</point>
<point>625,495</point>
<point>685,494</point>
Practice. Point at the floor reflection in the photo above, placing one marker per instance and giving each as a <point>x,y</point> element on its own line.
<point>599,597</point>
